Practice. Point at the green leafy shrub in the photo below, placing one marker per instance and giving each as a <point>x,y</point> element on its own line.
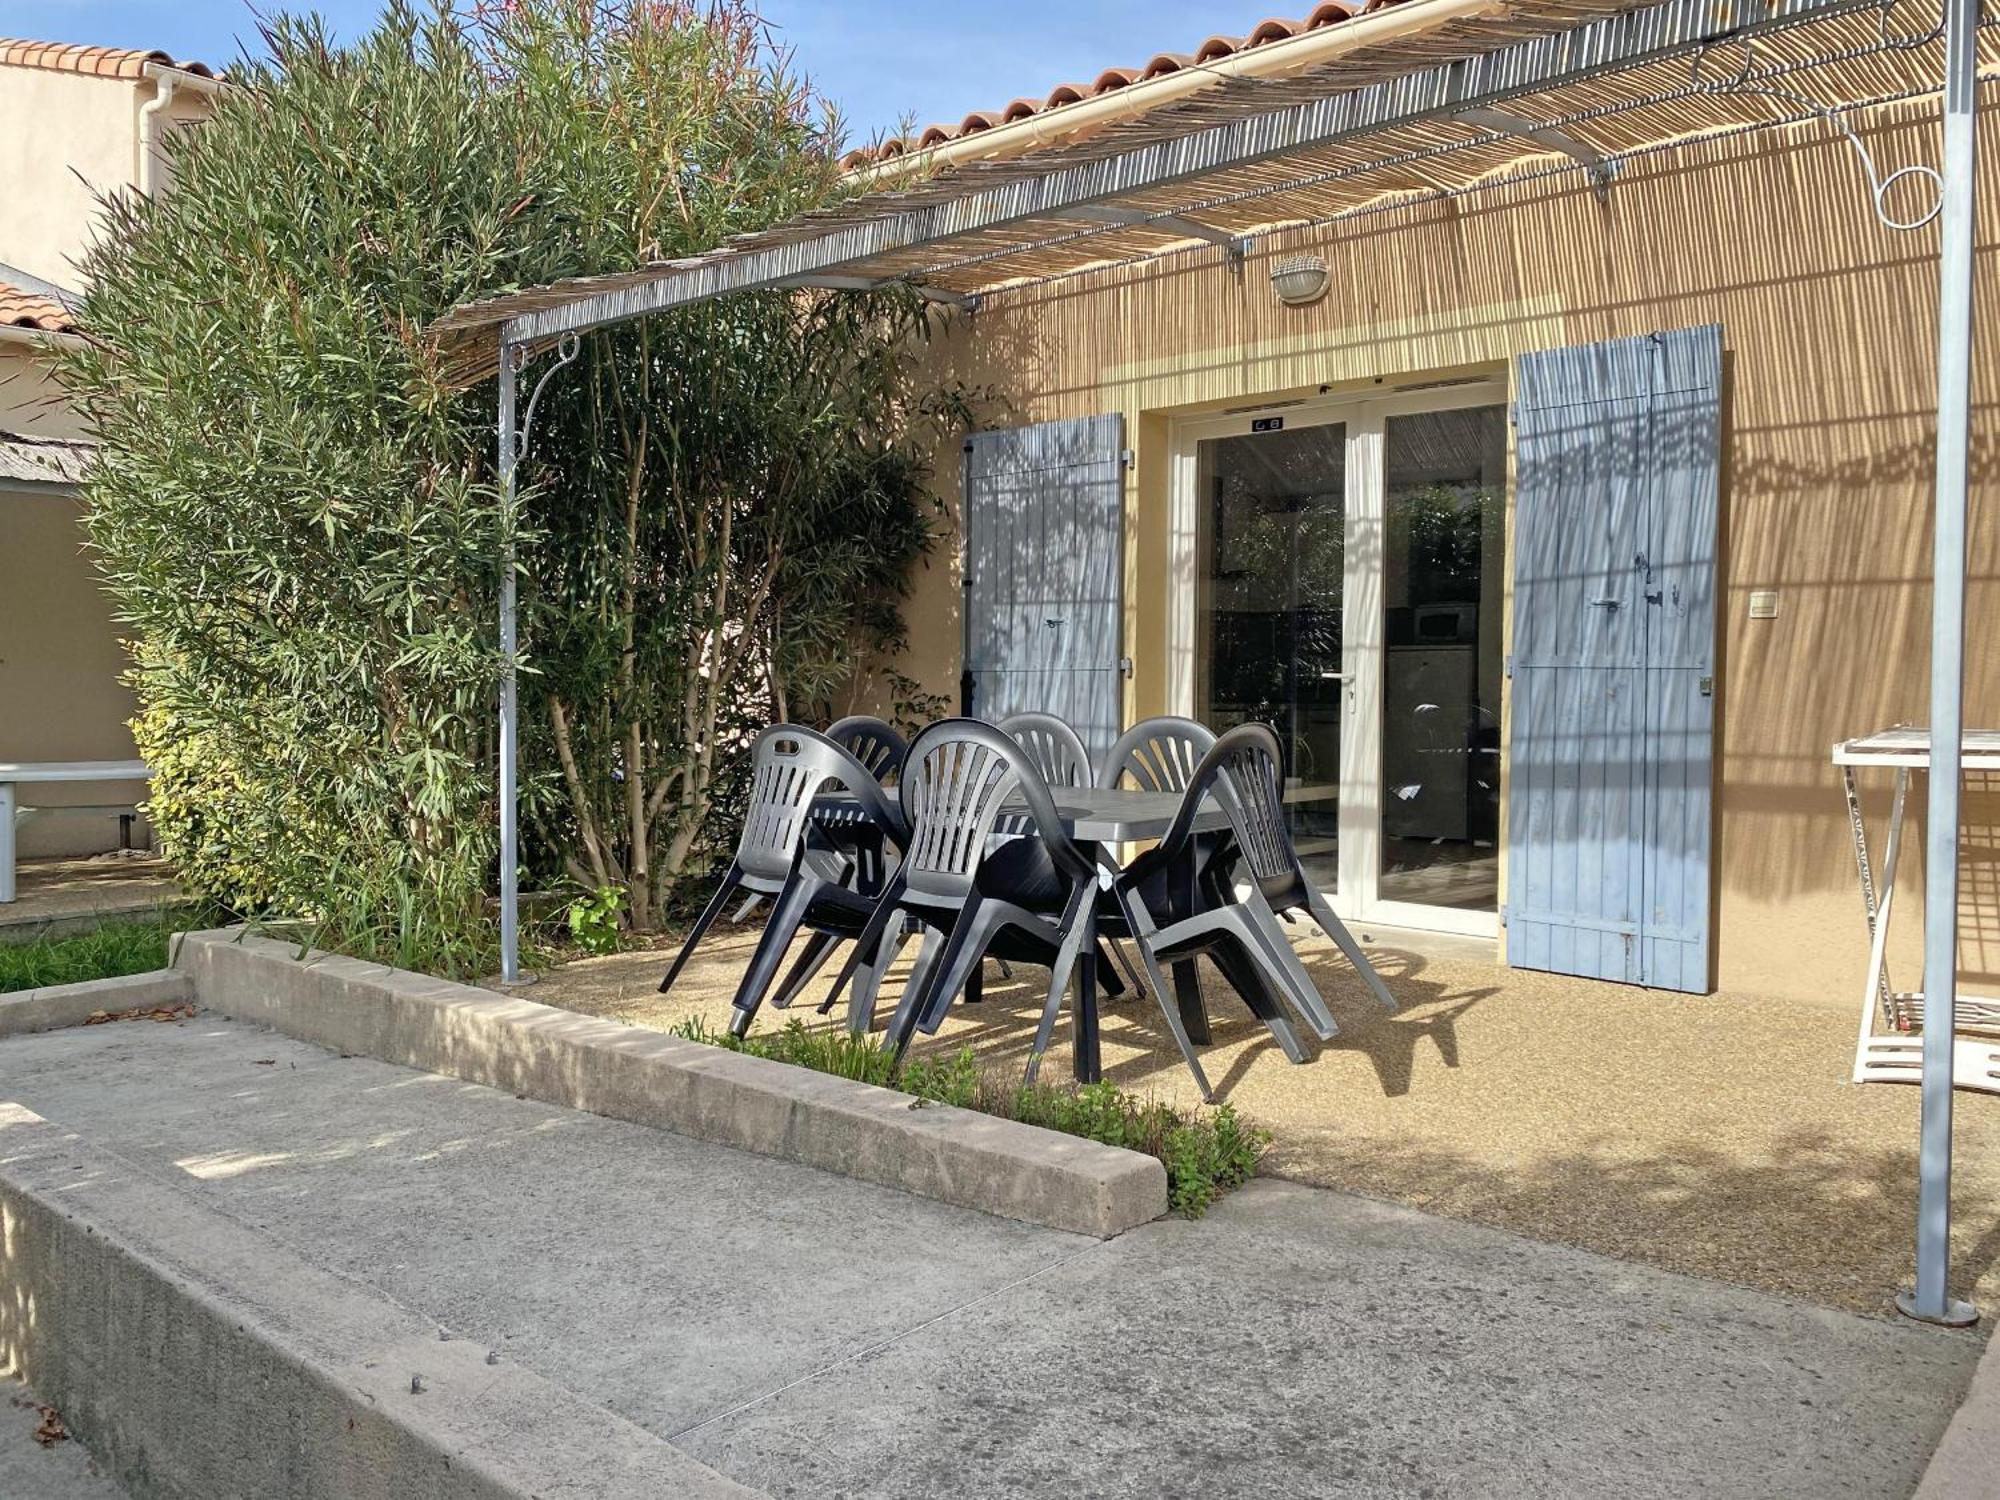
<point>294,503</point>
<point>596,921</point>
<point>1207,1152</point>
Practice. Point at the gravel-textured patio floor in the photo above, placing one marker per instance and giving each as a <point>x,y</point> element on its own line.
<point>1714,1135</point>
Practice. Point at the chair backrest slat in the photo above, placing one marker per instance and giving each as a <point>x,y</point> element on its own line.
<point>1056,749</point>
<point>1160,754</point>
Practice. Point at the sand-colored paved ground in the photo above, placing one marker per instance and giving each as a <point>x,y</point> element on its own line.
<point>1716,1135</point>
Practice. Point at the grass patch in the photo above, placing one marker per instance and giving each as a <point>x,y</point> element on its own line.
<point>1206,1152</point>
<point>107,952</point>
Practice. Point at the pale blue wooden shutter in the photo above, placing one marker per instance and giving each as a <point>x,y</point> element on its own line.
<point>1611,740</point>
<point>1044,608</point>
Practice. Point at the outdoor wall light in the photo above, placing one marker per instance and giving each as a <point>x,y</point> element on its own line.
<point>1300,280</point>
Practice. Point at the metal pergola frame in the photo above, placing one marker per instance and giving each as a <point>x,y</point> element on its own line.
<point>1095,195</point>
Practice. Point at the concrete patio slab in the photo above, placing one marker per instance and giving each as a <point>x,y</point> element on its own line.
<point>56,897</point>
<point>29,1471</point>
<point>810,1335</point>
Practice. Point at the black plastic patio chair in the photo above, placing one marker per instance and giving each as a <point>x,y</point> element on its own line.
<point>1160,755</point>
<point>1026,898</point>
<point>880,749</point>
<point>1241,773</point>
<point>783,854</point>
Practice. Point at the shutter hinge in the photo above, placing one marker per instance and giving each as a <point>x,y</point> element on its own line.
<point>968,445</point>
<point>1510,667</point>
<point>1513,414</point>
<point>1503,914</point>
<point>1127,458</point>
<point>1124,666</point>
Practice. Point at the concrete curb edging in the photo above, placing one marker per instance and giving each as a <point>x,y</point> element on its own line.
<point>55,1006</point>
<point>1962,1465</point>
<point>649,1078</point>
<point>199,1358</point>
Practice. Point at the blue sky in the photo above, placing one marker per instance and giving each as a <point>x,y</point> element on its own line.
<point>879,59</point>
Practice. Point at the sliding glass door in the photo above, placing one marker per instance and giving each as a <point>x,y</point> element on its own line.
<point>1268,620</point>
<point>1347,564</point>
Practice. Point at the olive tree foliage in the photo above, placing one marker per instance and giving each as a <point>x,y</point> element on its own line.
<point>297,513</point>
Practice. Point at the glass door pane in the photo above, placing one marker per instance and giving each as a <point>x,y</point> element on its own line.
<point>1267,626</point>
<point>1444,537</point>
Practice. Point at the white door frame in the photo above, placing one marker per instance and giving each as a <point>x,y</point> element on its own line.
<point>1362,647</point>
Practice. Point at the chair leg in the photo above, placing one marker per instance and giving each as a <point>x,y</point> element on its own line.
<point>787,916</point>
<point>1239,967</point>
<point>1059,976</point>
<point>1263,935</point>
<point>742,913</point>
<point>1333,927</point>
<point>975,984</point>
<point>932,958</point>
<point>971,935</point>
<point>1142,940</point>
<point>861,1009</point>
<point>1109,981</point>
<point>1125,962</point>
<point>819,948</point>
<point>885,911</point>
<point>730,878</point>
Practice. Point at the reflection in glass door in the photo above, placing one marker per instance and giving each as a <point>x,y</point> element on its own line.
<point>1272,543</point>
<point>1444,531</point>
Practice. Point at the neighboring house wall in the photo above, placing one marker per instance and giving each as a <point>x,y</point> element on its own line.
<point>31,402</point>
<point>1829,330</point>
<point>67,139</point>
<point>61,697</point>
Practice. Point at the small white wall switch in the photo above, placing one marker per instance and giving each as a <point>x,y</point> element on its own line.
<point>1763,604</point>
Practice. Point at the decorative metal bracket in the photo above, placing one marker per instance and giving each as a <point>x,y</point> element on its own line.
<point>1503,122</point>
<point>1749,80</point>
<point>567,349</point>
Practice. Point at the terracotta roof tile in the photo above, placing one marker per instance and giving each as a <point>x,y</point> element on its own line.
<point>92,62</point>
<point>24,309</point>
<point>1276,29</point>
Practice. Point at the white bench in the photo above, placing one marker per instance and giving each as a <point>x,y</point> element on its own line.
<point>31,773</point>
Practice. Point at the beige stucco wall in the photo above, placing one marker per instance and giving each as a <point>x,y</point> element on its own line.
<point>60,697</point>
<point>1829,327</point>
<point>66,139</point>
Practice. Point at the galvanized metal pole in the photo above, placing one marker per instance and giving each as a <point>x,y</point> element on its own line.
<point>1928,1300</point>
<point>510,877</point>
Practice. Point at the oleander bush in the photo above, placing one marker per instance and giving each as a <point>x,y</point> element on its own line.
<point>295,508</point>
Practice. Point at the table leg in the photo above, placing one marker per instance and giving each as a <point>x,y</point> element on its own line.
<point>6,841</point>
<point>1088,1066</point>
<point>1878,937</point>
<point>1870,901</point>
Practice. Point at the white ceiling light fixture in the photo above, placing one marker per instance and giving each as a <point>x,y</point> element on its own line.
<point>1300,280</point>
